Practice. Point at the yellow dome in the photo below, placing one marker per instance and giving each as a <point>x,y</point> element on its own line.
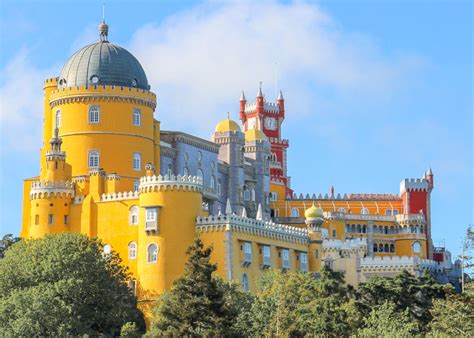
<point>254,135</point>
<point>227,125</point>
<point>313,212</point>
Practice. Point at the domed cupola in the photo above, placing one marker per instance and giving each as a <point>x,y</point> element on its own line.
<point>103,63</point>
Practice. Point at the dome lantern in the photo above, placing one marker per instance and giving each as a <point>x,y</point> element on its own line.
<point>104,32</point>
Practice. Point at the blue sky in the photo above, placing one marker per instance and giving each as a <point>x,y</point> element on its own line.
<point>375,91</point>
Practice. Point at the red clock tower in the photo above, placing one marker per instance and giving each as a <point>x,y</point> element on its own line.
<point>268,118</point>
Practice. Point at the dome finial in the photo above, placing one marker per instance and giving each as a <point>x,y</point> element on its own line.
<point>103,27</point>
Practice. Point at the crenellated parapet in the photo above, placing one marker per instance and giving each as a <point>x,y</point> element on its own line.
<point>414,184</point>
<point>107,93</point>
<point>269,229</point>
<point>54,155</point>
<point>120,196</point>
<point>160,183</point>
<point>47,189</point>
<point>349,245</point>
<point>397,264</point>
<point>348,197</point>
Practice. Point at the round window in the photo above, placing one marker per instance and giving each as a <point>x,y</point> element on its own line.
<point>94,79</point>
<point>134,82</point>
<point>62,82</point>
<point>417,247</point>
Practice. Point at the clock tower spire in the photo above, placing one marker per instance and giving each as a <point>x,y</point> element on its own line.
<point>268,117</point>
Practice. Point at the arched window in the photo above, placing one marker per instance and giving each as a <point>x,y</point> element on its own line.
<point>152,252</point>
<point>274,157</point>
<point>386,248</point>
<point>200,175</point>
<point>353,228</point>
<point>245,282</point>
<point>334,234</point>
<point>364,211</point>
<point>136,185</point>
<point>137,117</point>
<point>94,114</point>
<point>186,171</point>
<point>392,248</point>
<point>170,170</point>
<point>388,212</point>
<point>107,249</point>
<point>186,157</point>
<point>58,119</point>
<point>416,247</point>
<point>385,230</point>
<point>295,212</point>
<point>133,215</point>
<point>380,247</point>
<point>94,159</point>
<point>132,250</point>
<point>376,247</point>
<point>213,165</point>
<point>137,161</point>
<point>364,229</point>
<point>359,228</point>
<point>213,182</point>
<point>252,193</point>
<point>199,156</point>
<point>341,210</point>
<point>394,212</point>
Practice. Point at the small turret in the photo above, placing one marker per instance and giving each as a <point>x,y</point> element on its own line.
<point>56,167</point>
<point>429,178</point>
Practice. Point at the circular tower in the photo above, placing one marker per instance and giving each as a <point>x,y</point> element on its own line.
<point>314,220</point>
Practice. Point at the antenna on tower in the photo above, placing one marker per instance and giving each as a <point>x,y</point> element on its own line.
<point>276,78</point>
<point>103,12</point>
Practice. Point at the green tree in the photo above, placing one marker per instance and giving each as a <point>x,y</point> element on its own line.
<point>406,292</point>
<point>453,316</point>
<point>198,303</point>
<point>7,241</point>
<point>130,330</point>
<point>63,285</point>
<point>385,321</point>
<point>298,304</point>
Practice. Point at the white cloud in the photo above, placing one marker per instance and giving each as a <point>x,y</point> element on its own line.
<point>198,61</point>
<point>21,103</point>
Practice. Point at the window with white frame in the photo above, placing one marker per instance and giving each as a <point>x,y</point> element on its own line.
<point>136,185</point>
<point>151,214</point>
<point>200,174</point>
<point>132,250</point>
<point>364,211</point>
<point>151,219</point>
<point>266,255</point>
<point>416,247</point>
<point>295,212</point>
<point>152,253</point>
<point>133,215</point>
<point>137,117</point>
<point>58,119</point>
<point>285,258</point>
<point>245,282</point>
<point>94,159</point>
<point>273,196</point>
<point>94,114</point>
<point>247,252</point>
<point>137,161</point>
<point>303,261</point>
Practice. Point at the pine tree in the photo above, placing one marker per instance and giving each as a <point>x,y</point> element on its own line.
<point>196,304</point>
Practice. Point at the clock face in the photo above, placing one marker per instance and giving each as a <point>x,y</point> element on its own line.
<point>270,123</point>
<point>251,123</point>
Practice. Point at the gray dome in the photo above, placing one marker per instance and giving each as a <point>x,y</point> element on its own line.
<point>103,63</point>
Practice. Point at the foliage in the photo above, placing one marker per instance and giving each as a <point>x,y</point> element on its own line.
<point>7,241</point>
<point>296,304</point>
<point>467,257</point>
<point>385,321</point>
<point>406,292</point>
<point>130,330</point>
<point>63,285</point>
<point>198,303</point>
<point>453,316</point>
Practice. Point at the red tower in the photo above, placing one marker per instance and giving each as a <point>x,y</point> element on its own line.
<point>268,117</point>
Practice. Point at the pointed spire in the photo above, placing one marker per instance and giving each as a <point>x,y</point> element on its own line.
<point>56,142</point>
<point>280,96</point>
<point>219,211</point>
<point>259,216</point>
<point>103,27</point>
<point>228,208</point>
<point>244,212</point>
<point>429,172</point>
<point>242,96</point>
<point>259,93</point>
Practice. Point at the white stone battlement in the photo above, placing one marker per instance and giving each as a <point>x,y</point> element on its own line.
<point>154,183</point>
<point>350,196</point>
<point>354,244</point>
<point>270,107</point>
<point>44,189</point>
<point>413,184</point>
<point>120,196</point>
<point>397,263</point>
<point>245,224</point>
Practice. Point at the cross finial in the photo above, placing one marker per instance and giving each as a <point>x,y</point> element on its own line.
<point>228,115</point>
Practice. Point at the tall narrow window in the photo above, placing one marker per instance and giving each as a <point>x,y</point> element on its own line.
<point>37,219</point>
<point>94,114</point>
<point>285,258</point>
<point>416,247</point>
<point>200,175</point>
<point>248,252</point>
<point>137,161</point>
<point>65,219</point>
<point>50,219</point>
<point>266,255</point>
<point>94,159</point>
<point>213,182</point>
<point>152,253</point>
<point>295,212</point>
<point>132,250</point>
<point>136,185</point>
<point>58,119</point>
<point>133,215</point>
<point>364,211</point>
<point>137,117</point>
<point>303,261</point>
<point>185,171</point>
<point>245,282</point>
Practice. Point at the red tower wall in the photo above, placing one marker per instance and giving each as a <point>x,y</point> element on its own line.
<point>418,202</point>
